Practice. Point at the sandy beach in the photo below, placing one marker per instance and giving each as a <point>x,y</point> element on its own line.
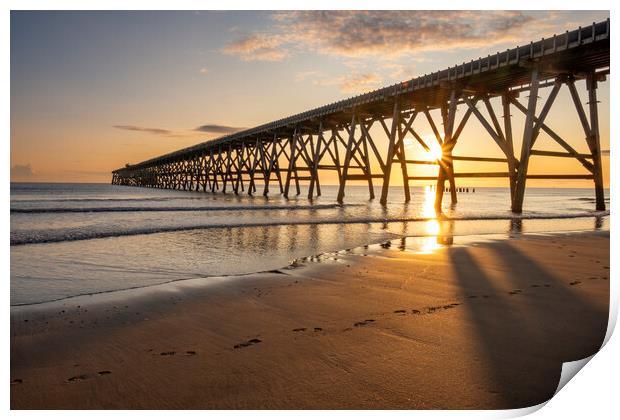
<point>485,324</point>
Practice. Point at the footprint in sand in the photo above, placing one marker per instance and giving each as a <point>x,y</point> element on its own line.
<point>247,343</point>
<point>299,329</point>
<point>318,329</point>
<point>190,353</point>
<point>433,309</point>
<point>167,353</point>
<point>16,381</point>
<point>103,372</point>
<point>400,311</point>
<point>77,378</point>
<point>364,322</point>
<point>515,292</point>
<point>574,283</point>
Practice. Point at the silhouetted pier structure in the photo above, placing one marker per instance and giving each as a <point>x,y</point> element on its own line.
<point>337,137</point>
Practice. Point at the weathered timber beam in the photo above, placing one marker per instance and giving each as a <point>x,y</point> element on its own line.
<point>481,174</point>
<point>418,162</point>
<point>560,154</point>
<point>545,176</point>
<point>556,137</point>
<point>479,159</point>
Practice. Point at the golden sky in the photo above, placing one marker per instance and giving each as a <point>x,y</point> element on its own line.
<point>91,91</point>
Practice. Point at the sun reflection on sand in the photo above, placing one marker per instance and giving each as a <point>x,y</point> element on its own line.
<point>430,243</point>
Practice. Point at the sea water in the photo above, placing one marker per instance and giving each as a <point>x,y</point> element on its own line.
<point>79,239</point>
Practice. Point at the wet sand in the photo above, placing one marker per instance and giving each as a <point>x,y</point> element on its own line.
<point>487,325</point>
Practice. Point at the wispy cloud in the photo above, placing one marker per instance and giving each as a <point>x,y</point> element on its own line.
<point>388,33</point>
<point>22,171</point>
<point>150,130</point>
<point>206,128</point>
<point>399,71</point>
<point>258,47</point>
<point>218,129</point>
<point>352,83</point>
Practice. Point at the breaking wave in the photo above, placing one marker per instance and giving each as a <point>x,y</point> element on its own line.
<point>177,208</point>
<point>77,234</point>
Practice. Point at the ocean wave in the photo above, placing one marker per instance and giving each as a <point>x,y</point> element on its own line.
<point>589,199</point>
<point>178,208</point>
<point>65,235</point>
<point>80,200</point>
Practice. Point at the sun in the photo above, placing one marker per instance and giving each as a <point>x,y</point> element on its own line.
<point>434,151</point>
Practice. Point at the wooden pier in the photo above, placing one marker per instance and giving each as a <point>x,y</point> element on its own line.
<point>337,137</point>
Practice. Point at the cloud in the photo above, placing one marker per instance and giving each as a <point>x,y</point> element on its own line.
<point>204,70</point>
<point>21,171</point>
<point>305,75</point>
<point>386,33</point>
<point>206,128</point>
<point>218,129</point>
<point>399,71</point>
<point>156,131</point>
<point>353,83</point>
<point>258,47</point>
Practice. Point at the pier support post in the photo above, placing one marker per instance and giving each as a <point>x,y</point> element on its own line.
<point>445,164</point>
<point>291,163</point>
<point>400,152</point>
<point>366,157</point>
<point>509,145</point>
<point>448,144</point>
<point>526,147</point>
<point>347,159</point>
<point>595,142</point>
<point>394,134</point>
<point>314,170</point>
<point>227,173</point>
<point>238,160</point>
<point>272,164</point>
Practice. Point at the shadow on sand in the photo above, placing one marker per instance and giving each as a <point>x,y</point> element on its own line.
<point>542,322</point>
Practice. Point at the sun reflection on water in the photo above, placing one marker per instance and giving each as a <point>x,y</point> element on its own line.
<point>428,205</point>
<point>438,233</point>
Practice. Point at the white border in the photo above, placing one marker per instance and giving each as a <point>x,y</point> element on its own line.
<point>592,394</point>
